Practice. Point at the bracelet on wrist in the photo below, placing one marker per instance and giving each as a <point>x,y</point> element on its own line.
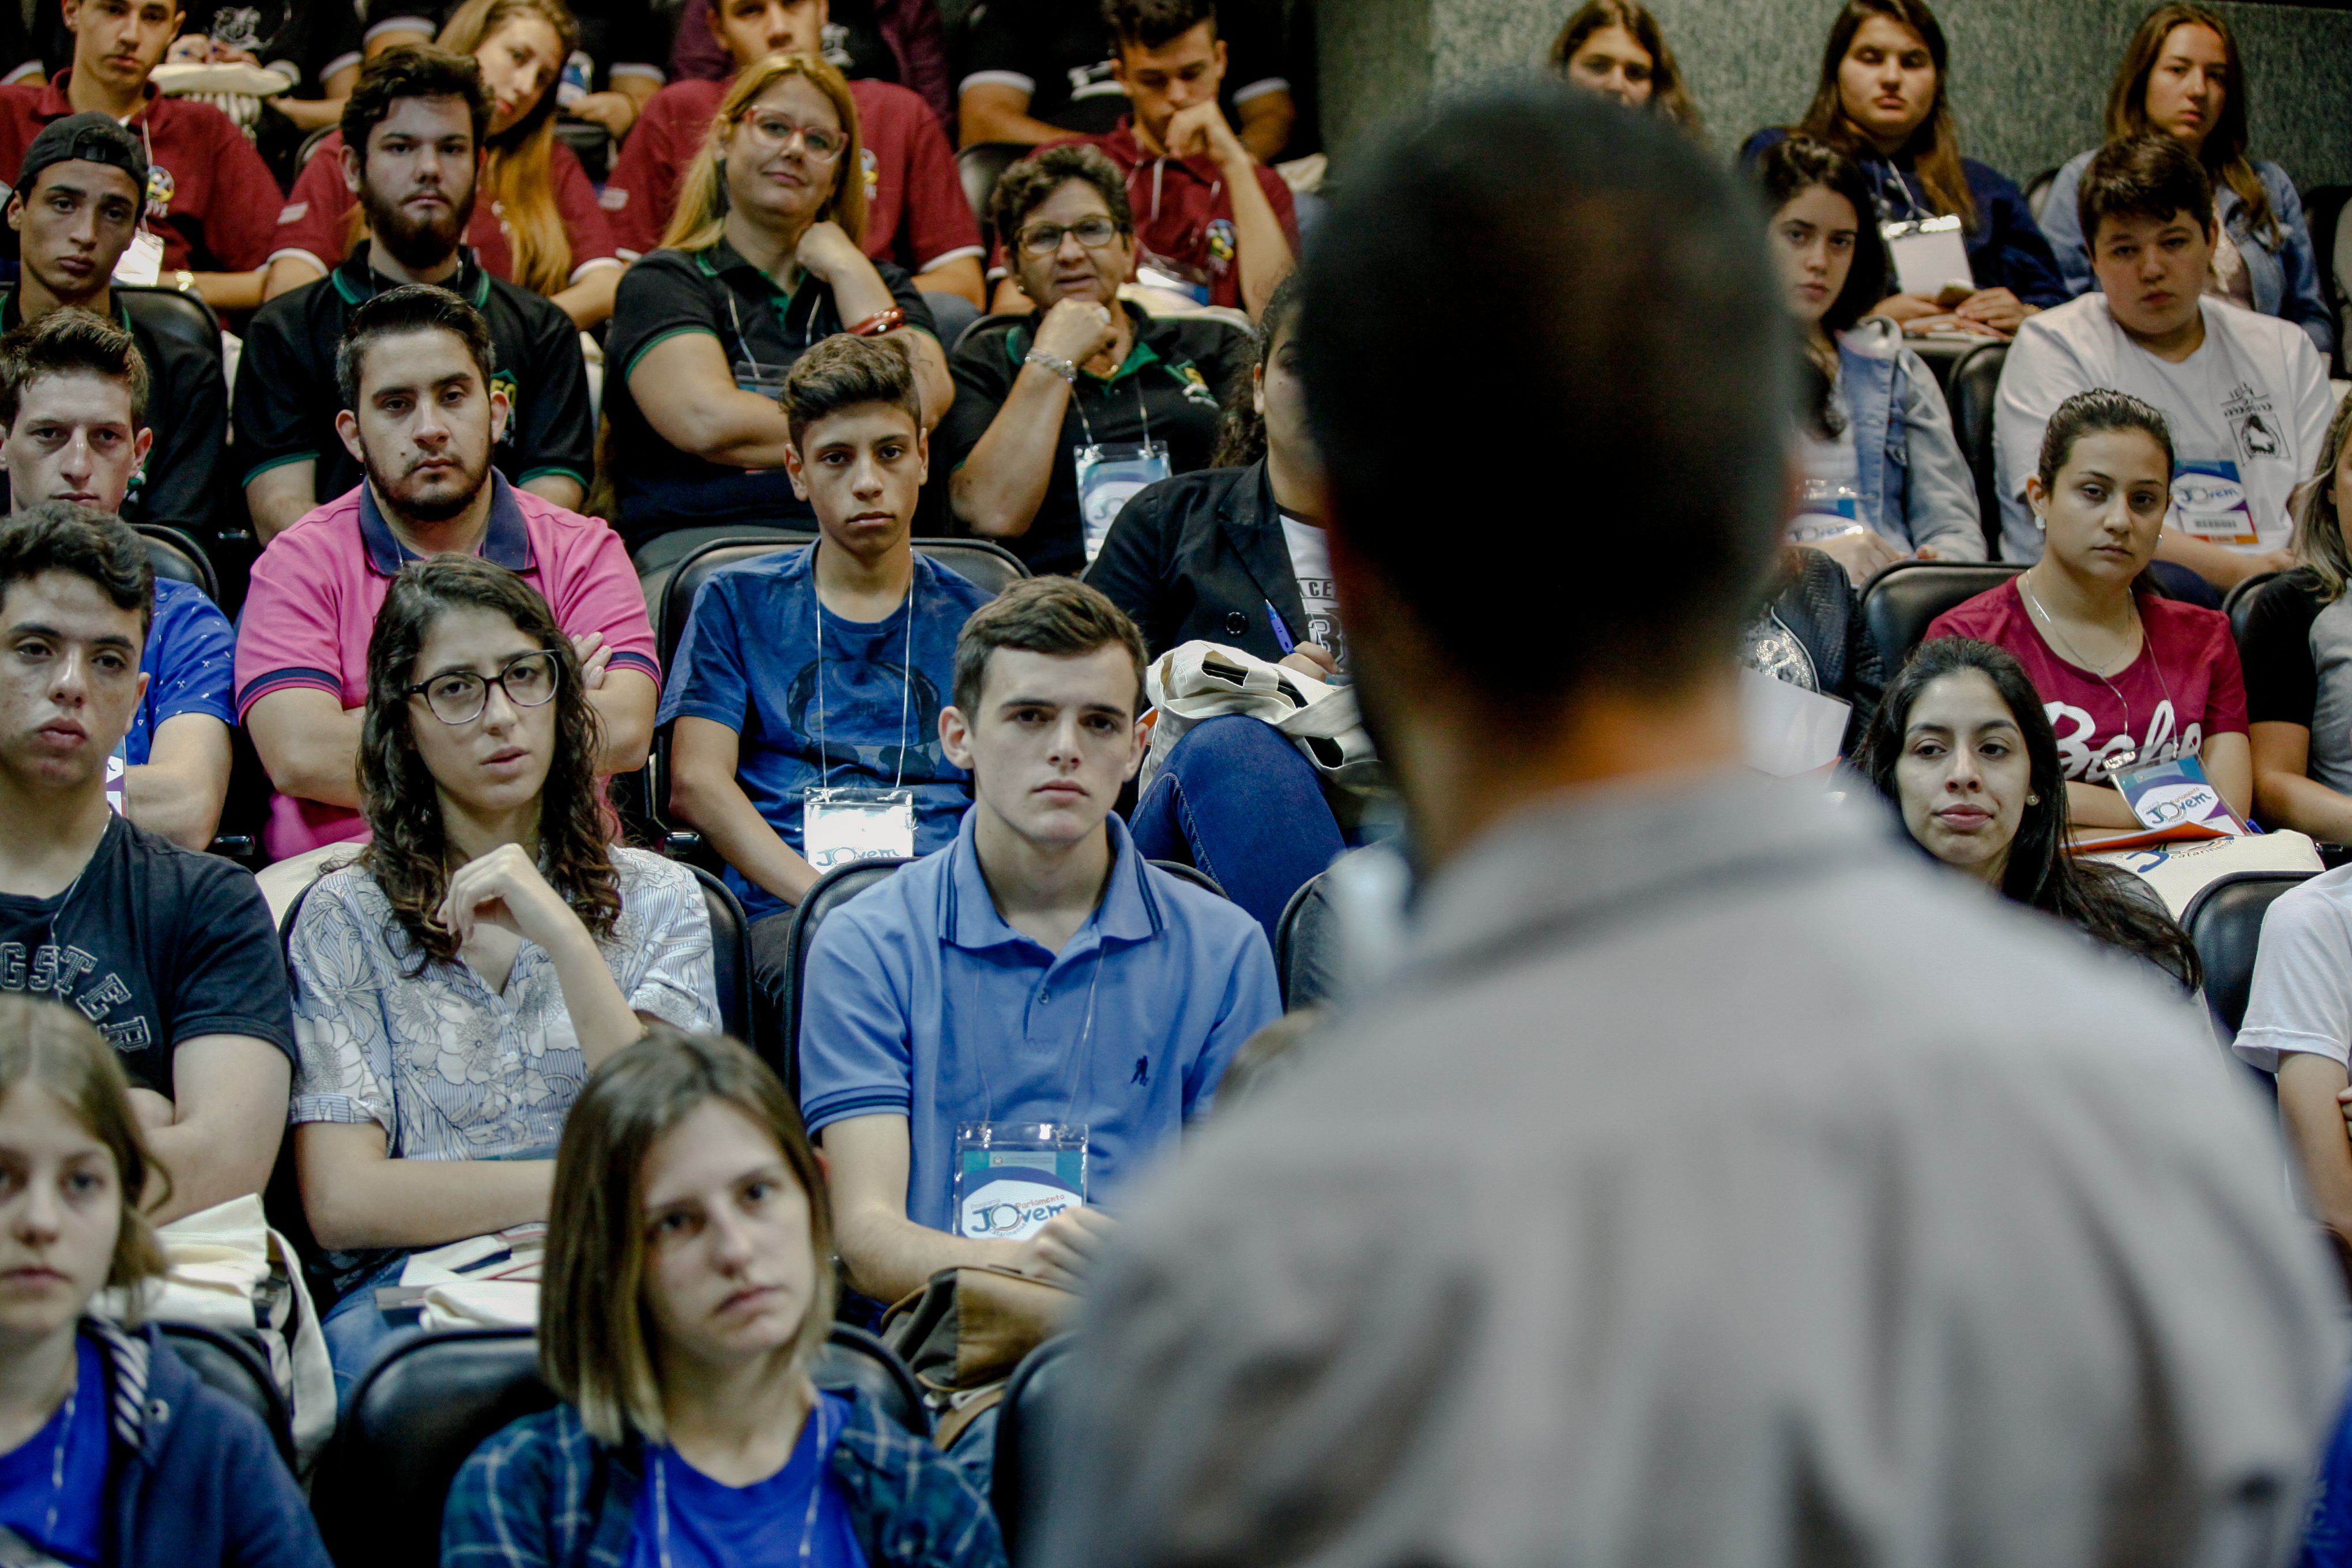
<point>881,322</point>
<point>1055,363</point>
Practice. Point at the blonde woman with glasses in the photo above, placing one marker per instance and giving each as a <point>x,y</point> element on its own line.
<point>760,261</point>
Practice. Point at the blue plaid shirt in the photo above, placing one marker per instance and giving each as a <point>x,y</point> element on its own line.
<point>542,1493</point>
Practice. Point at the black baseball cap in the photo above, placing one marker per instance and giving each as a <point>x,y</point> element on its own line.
<point>89,138</point>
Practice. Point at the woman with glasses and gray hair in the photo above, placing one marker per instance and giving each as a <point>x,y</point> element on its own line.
<point>1061,415</point>
<point>454,987</point>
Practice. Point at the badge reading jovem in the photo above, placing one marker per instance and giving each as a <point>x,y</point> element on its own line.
<point>2178,795</point>
<point>2208,500</point>
<point>838,826</point>
<point>1013,1177</point>
<point>1109,475</point>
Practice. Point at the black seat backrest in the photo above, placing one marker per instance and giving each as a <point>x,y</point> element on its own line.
<point>168,314</point>
<point>2037,192</point>
<point>1025,1457</point>
<point>416,1418</point>
<point>1898,604</point>
<point>676,604</point>
<point>986,566</point>
<point>730,954</point>
<point>1972,389</point>
<point>981,165</point>
<point>232,1366</point>
<point>2238,603</point>
<point>1306,944</point>
<point>1193,874</point>
<point>174,554</point>
<point>2225,920</point>
<point>829,892</point>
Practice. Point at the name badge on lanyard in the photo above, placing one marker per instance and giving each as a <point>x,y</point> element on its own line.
<point>142,262</point>
<point>1013,1177</point>
<point>1928,254</point>
<point>2208,500</point>
<point>1109,473</point>
<point>839,826</point>
<point>765,380</point>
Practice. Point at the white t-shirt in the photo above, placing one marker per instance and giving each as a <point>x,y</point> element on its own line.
<point>1310,562</point>
<point>2251,402</point>
<point>2302,994</point>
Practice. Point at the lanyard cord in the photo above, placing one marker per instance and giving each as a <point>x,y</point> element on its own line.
<point>1915,206</point>
<point>2132,755</point>
<point>1083,1061</point>
<point>816,1490</point>
<point>735,315</point>
<point>1142,409</point>
<point>906,681</point>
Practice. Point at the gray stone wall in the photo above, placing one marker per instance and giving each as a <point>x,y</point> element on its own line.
<point>2028,76</point>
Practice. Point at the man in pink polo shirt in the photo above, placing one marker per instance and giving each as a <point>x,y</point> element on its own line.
<point>421,413</point>
<point>917,214</point>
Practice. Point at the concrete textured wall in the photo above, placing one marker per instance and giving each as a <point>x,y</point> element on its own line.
<point>2028,76</point>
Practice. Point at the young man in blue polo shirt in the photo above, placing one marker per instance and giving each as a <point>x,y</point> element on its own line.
<point>993,1039</point>
<point>805,695</point>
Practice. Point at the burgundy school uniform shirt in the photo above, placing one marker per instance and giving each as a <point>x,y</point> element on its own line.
<point>210,198</point>
<point>1183,212</point>
<point>916,212</point>
<point>316,221</point>
<point>2184,688</point>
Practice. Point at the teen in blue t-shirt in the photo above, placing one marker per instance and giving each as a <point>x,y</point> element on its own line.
<point>53,1484</point>
<point>190,661</point>
<point>826,667</point>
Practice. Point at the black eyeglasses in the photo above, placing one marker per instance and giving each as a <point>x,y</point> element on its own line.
<point>1045,238</point>
<point>459,696</point>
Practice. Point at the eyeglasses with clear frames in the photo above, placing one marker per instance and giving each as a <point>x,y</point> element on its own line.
<point>459,696</point>
<point>820,144</point>
<point>1045,238</point>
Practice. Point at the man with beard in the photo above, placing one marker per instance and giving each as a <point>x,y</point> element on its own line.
<point>420,410</point>
<point>79,199</point>
<point>412,140</point>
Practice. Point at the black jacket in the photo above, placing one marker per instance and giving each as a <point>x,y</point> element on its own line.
<point>1201,556</point>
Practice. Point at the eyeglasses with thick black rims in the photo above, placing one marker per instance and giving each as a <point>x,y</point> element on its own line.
<point>459,696</point>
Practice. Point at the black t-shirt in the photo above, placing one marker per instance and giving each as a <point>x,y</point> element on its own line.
<point>716,293</point>
<point>156,946</point>
<point>188,407</point>
<point>309,40</point>
<point>287,398</point>
<point>1170,388</point>
<point>1059,53</point>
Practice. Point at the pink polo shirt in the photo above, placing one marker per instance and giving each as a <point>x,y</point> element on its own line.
<point>312,604</point>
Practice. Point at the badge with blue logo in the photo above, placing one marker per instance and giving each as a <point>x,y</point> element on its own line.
<point>1109,473</point>
<point>1013,1177</point>
<point>2208,501</point>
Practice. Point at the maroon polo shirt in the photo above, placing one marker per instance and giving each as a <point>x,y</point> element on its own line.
<point>915,213</point>
<point>1183,209</point>
<point>210,197</point>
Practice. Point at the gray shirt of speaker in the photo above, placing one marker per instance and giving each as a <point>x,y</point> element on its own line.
<point>1717,1182</point>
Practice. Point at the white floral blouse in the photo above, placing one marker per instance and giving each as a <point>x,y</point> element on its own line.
<point>448,1068</point>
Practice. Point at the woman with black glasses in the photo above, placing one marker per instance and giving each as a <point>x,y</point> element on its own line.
<point>455,987</point>
<point>760,262</point>
<point>1061,415</point>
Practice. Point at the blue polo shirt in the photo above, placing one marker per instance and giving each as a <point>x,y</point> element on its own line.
<point>749,660</point>
<point>189,661</point>
<point>920,1001</point>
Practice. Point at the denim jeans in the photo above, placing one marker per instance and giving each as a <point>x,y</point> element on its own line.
<point>1238,800</point>
<point>357,1332</point>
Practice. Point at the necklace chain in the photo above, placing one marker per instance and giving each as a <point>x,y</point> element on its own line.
<point>2130,753</point>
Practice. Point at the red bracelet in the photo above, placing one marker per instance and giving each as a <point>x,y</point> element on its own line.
<point>876,325</point>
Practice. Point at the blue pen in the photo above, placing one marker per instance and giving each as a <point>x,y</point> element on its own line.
<point>1281,633</point>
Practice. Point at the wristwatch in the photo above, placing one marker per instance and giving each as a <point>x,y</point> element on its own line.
<point>1054,362</point>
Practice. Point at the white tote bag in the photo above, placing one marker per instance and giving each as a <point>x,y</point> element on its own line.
<point>1207,680</point>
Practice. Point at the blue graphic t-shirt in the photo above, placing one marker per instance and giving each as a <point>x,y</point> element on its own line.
<point>685,1520</point>
<point>53,1484</point>
<point>750,660</point>
<point>189,661</point>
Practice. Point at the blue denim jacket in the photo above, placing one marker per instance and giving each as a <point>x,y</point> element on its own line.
<point>2286,281</point>
<point>1916,486</point>
<point>542,1493</point>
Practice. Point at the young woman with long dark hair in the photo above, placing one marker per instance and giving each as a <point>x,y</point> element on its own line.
<point>1616,48</point>
<point>1961,748</point>
<point>491,945</point>
<point>1885,99</point>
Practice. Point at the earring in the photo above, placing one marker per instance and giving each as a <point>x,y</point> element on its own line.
<point>2040,523</point>
<point>2034,800</point>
